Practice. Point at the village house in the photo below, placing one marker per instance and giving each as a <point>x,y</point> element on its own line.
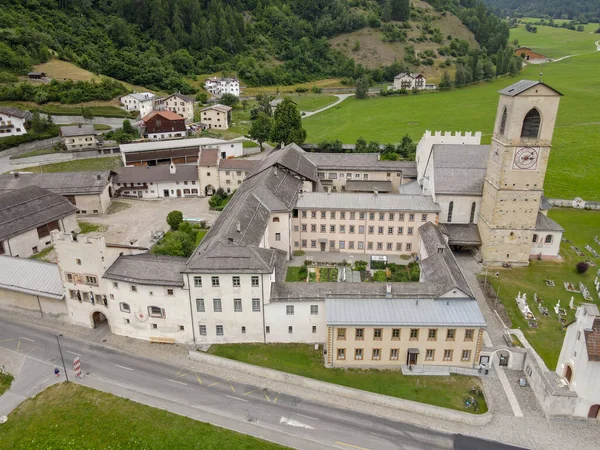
<point>409,81</point>
<point>530,56</point>
<point>139,101</point>
<point>12,121</point>
<point>220,86</point>
<point>28,215</point>
<point>162,125</point>
<point>216,116</point>
<point>180,104</point>
<point>77,137</point>
<point>89,191</point>
<point>156,181</point>
<point>232,172</point>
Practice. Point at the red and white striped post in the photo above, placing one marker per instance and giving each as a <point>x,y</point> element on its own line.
<point>77,367</point>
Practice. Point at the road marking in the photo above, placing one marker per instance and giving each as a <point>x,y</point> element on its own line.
<point>232,388</point>
<point>182,375</point>
<point>218,382</point>
<point>236,398</point>
<point>350,445</point>
<point>27,339</point>
<point>267,397</point>
<point>178,382</point>
<point>250,392</point>
<point>308,417</point>
<point>294,423</point>
<point>123,367</point>
<point>73,353</point>
<point>276,397</point>
<point>18,346</point>
<point>199,380</point>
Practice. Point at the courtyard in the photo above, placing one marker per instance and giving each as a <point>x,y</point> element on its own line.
<point>133,221</point>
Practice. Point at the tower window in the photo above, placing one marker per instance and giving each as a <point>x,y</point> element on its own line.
<point>473,207</point>
<point>503,121</point>
<point>535,238</point>
<point>450,208</point>
<point>531,124</point>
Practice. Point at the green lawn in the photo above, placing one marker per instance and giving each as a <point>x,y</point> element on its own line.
<point>69,416</point>
<point>294,274</point>
<point>557,42</point>
<point>75,110</point>
<point>87,227</point>
<point>312,102</point>
<point>304,360</point>
<point>387,119</point>
<point>581,227</point>
<point>79,165</point>
<point>41,256</point>
<point>5,381</point>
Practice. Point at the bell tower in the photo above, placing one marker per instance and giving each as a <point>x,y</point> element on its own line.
<point>516,170</point>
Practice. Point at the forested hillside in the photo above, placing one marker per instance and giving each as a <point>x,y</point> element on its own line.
<point>557,9</point>
<point>157,43</point>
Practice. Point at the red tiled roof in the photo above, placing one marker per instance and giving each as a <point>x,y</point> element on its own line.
<point>237,164</point>
<point>169,115</point>
<point>209,157</point>
<point>592,341</point>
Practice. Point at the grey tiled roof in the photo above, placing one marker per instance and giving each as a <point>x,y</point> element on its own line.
<point>31,277</point>
<point>440,266</point>
<point>460,169</point>
<point>146,268</point>
<point>404,312</point>
<point>299,291</point>
<point>64,183</point>
<point>237,164</point>
<point>369,186</point>
<point>141,174</point>
<point>545,204</point>
<point>142,96</point>
<point>229,258</point>
<point>545,223</point>
<point>28,208</point>
<point>291,157</point>
<point>361,161</point>
<point>521,86</point>
<point>366,202</point>
<point>77,130</point>
<point>411,188</point>
<point>185,98</point>
<point>16,112</point>
<point>461,233</point>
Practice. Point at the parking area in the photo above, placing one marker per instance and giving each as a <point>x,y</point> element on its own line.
<point>133,221</point>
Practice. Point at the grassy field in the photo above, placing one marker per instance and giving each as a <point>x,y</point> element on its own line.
<point>87,227</point>
<point>68,416</point>
<point>557,42</point>
<point>581,227</point>
<point>79,165</point>
<point>41,256</point>
<point>304,360</point>
<point>293,274</point>
<point>57,109</point>
<point>387,119</point>
<point>5,381</point>
<point>312,102</point>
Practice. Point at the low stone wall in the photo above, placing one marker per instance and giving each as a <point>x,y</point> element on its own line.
<point>321,391</point>
<point>30,146</point>
<point>576,203</point>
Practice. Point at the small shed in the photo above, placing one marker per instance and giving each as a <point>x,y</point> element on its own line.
<point>36,75</point>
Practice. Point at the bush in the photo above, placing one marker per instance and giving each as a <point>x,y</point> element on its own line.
<point>174,219</point>
<point>378,265</point>
<point>582,267</point>
<point>202,97</point>
<point>301,89</point>
<point>316,90</point>
<point>360,265</point>
<point>380,276</point>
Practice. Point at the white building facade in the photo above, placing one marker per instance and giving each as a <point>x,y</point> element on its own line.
<point>12,121</point>
<point>142,102</point>
<point>220,86</point>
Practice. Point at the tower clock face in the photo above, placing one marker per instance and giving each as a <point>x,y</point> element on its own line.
<point>526,158</point>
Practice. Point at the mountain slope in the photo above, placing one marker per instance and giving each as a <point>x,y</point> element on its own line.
<point>557,9</point>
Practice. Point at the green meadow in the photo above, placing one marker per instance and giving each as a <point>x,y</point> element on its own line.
<point>574,166</point>
<point>556,42</point>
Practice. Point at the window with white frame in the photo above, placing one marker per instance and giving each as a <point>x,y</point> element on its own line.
<point>394,354</point>
<point>290,329</point>
<point>200,305</point>
<point>255,282</point>
<point>466,355</point>
<point>125,307</point>
<point>376,355</point>
<point>256,305</point>
<point>341,353</point>
<point>202,330</point>
<point>237,305</point>
<point>448,355</point>
<point>236,281</point>
<point>217,305</point>
<point>155,311</point>
<point>358,353</point>
<point>220,330</point>
<point>289,310</point>
<point>215,282</point>
<point>314,309</point>
<point>429,354</point>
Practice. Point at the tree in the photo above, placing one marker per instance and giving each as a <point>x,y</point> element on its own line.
<point>582,267</point>
<point>386,11</point>
<point>202,97</point>
<point>229,100</point>
<point>261,129</point>
<point>401,10</point>
<point>287,126</point>
<point>489,70</point>
<point>127,128</point>
<point>174,219</point>
<point>362,87</point>
<point>361,146</point>
<point>446,82</point>
<point>460,77</point>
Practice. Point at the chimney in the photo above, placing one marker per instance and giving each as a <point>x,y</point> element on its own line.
<point>172,169</point>
<point>378,156</point>
<point>238,227</point>
<point>230,241</point>
<point>376,191</point>
<point>275,170</point>
<point>388,291</point>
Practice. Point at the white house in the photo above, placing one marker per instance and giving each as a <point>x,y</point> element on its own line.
<point>78,137</point>
<point>142,102</point>
<point>28,216</point>
<point>409,81</point>
<point>156,181</point>
<point>216,116</point>
<point>220,86</point>
<point>180,104</point>
<point>579,361</point>
<point>12,121</point>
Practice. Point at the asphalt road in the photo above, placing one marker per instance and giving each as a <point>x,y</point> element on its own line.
<point>281,418</point>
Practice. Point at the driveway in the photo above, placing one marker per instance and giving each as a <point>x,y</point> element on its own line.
<point>341,98</point>
<point>135,220</point>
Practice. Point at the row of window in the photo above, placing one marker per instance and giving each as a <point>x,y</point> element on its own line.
<point>451,211</point>
<point>82,278</point>
<point>360,245</point>
<point>235,280</point>
<point>352,229</point>
<point>376,354</point>
<point>432,334</point>
<point>153,311</point>
<point>220,330</point>
<point>363,215</point>
<point>547,240</point>
<point>151,184</point>
<point>89,297</point>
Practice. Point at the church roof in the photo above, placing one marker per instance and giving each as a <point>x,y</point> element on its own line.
<point>521,86</point>
<point>461,233</point>
<point>545,223</point>
<point>459,169</point>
